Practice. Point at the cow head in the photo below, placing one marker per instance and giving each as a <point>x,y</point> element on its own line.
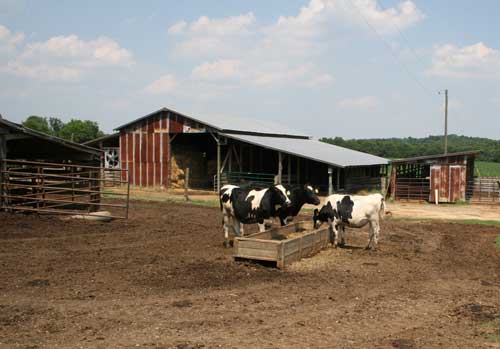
<point>311,195</point>
<point>280,195</point>
<point>326,213</point>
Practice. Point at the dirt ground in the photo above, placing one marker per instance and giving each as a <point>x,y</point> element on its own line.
<point>163,279</point>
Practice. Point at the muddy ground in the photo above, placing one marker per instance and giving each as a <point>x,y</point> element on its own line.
<point>162,279</point>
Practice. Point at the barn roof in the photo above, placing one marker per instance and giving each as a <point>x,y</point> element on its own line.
<point>437,156</point>
<point>230,124</point>
<point>314,150</point>
<point>18,129</point>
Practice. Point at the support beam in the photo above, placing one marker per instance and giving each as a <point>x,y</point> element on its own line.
<point>338,178</point>
<point>3,167</point>
<point>289,170</point>
<point>218,164</point>
<point>298,170</point>
<point>280,167</point>
<point>330,180</point>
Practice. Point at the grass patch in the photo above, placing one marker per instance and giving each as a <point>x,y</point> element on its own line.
<point>458,221</point>
<point>487,169</point>
<point>492,330</point>
<point>178,200</point>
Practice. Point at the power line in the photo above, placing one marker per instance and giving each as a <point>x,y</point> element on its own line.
<point>405,68</point>
<point>405,38</point>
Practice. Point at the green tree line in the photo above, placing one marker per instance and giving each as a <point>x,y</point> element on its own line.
<point>394,148</point>
<point>75,130</point>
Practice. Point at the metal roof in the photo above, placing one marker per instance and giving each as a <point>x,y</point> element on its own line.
<point>438,156</point>
<point>314,150</point>
<point>65,143</point>
<point>231,124</point>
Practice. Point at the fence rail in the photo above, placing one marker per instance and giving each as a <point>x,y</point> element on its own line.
<point>412,189</point>
<point>54,188</point>
<point>483,189</point>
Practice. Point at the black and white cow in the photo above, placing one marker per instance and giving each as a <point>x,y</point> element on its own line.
<point>248,206</point>
<point>353,211</point>
<point>298,196</point>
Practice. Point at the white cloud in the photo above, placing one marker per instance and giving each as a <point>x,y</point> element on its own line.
<point>238,48</point>
<point>474,61</point>
<point>221,69</point>
<point>98,52</point>
<point>65,58</point>
<point>9,42</point>
<point>388,21</point>
<point>165,85</point>
<point>224,26</point>
<point>364,102</point>
<point>177,28</point>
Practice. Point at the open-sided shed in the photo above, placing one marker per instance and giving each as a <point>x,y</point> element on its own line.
<point>45,174</point>
<point>442,178</point>
<point>159,147</point>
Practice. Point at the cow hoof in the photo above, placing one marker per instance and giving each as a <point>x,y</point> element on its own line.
<point>342,245</point>
<point>227,243</point>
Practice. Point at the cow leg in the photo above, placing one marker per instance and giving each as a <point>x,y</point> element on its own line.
<point>242,229</point>
<point>376,232</point>
<point>341,231</point>
<point>333,232</point>
<point>225,222</point>
<point>262,226</point>
<point>371,235</point>
<point>236,226</point>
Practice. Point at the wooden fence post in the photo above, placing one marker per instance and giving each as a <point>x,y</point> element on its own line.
<point>186,184</point>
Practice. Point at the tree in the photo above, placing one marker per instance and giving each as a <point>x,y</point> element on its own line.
<point>37,123</point>
<point>56,125</point>
<point>80,131</point>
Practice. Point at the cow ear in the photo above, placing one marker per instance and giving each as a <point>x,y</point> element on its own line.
<point>316,191</point>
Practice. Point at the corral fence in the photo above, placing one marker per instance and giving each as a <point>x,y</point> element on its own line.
<point>483,190</point>
<point>70,189</point>
<point>413,189</point>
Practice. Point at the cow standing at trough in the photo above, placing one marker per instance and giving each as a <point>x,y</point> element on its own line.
<point>298,196</point>
<point>248,206</point>
<point>353,211</point>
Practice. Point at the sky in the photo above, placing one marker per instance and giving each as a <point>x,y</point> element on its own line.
<point>327,68</point>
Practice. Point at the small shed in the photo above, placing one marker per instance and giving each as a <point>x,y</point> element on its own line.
<point>434,178</point>
<point>49,175</point>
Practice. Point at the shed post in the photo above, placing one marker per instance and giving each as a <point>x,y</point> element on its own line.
<point>338,178</point>
<point>289,170</point>
<point>3,166</point>
<point>280,167</point>
<point>330,180</point>
<point>218,164</point>
<point>298,170</point>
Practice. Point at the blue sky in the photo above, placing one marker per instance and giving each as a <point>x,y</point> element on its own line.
<point>349,68</point>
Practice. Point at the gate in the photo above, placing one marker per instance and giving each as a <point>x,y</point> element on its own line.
<point>52,188</point>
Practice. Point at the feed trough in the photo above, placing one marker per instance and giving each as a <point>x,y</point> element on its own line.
<point>282,245</point>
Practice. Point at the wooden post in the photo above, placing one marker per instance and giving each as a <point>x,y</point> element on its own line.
<point>330,180</point>
<point>280,167</point>
<point>186,184</point>
<point>338,178</point>
<point>218,165</point>
<point>298,170</point>
<point>3,168</point>
<point>289,170</point>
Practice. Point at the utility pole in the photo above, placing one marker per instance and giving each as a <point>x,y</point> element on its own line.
<point>446,121</point>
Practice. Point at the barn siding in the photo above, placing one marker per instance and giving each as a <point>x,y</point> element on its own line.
<point>144,150</point>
